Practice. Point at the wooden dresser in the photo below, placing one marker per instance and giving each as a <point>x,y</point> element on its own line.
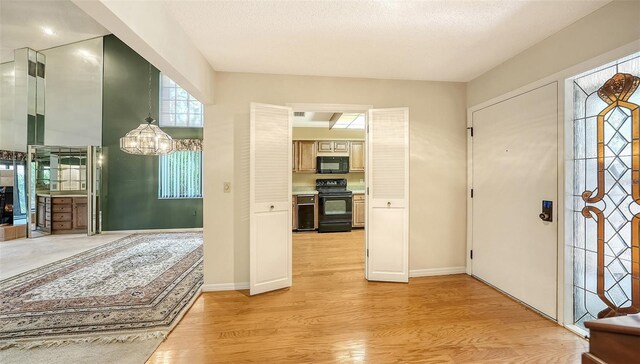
<point>614,340</point>
<point>62,214</point>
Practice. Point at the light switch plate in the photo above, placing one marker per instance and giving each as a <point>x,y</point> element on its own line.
<point>226,187</point>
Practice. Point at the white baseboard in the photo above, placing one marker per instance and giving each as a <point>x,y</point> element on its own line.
<point>225,287</point>
<point>178,230</point>
<point>437,271</point>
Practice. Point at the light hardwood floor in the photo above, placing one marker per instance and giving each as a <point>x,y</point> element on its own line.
<point>331,314</point>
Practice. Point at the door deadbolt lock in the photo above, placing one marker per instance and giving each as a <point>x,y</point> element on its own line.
<point>547,211</point>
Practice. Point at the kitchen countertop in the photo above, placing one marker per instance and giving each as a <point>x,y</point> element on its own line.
<point>50,195</point>
<point>311,191</point>
<point>304,191</point>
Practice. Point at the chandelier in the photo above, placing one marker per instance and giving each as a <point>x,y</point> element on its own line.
<point>147,138</point>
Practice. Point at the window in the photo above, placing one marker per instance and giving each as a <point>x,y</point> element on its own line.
<point>605,191</point>
<point>181,171</point>
<point>181,175</point>
<point>177,107</point>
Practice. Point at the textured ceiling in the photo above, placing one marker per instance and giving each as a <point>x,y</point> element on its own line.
<point>23,24</point>
<point>420,40</point>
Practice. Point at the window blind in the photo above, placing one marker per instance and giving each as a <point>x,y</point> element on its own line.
<point>181,175</point>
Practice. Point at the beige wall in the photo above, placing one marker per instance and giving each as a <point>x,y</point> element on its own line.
<point>438,162</point>
<point>610,27</point>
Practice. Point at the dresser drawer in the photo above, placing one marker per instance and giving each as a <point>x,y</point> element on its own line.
<point>62,201</point>
<point>62,208</point>
<point>61,216</point>
<point>80,200</point>
<point>61,225</point>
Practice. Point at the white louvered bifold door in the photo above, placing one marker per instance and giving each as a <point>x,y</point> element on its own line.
<point>388,197</point>
<point>270,198</point>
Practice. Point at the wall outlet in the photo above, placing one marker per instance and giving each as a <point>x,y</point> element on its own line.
<point>226,187</point>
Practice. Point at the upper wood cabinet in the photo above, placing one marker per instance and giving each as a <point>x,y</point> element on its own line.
<point>341,146</point>
<point>356,157</point>
<point>294,156</point>
<point>325,146</point>
<point>304,153</point>
<point>307,154</point>
<point>330,146</point>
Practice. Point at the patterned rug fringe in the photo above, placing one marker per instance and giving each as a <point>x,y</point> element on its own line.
<point>48,343</point>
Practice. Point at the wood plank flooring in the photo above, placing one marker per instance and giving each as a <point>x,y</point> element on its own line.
<point>331,314</point>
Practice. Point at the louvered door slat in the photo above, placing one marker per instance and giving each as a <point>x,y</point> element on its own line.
<point>388,199</point>
<point>270,198</point>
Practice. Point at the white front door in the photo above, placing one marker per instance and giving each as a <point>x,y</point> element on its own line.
<point>270,198</point>
<point>515,153</point>
<point>387,217</point>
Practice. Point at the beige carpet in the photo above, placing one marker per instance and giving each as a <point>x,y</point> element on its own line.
<point>136,352</point>
<point>111,304</point>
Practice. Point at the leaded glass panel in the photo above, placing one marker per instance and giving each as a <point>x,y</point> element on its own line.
<point>606,190</point>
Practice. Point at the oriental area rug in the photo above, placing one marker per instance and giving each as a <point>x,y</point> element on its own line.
<point>133,289</point>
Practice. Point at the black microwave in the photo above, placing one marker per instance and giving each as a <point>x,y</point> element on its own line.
<point>333,165</point>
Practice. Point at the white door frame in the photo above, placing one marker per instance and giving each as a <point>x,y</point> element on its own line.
<point>344,108</point>
<point>565,145</point>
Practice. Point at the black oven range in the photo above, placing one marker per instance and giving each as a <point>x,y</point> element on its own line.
<point>334,205</point>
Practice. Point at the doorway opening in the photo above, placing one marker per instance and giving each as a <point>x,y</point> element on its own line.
<point>63,190</point>
<point>328,179</point>
<point>386,200</point>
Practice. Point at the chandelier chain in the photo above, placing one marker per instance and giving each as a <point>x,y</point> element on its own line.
<point>149,89</point>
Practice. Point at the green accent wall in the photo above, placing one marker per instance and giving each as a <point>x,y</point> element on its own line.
<point>130,182</point>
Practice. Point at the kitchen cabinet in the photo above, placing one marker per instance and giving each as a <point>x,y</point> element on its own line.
<point>356,157</point>
<point>294,212</point>
<point>358,210</point>
<point>307,154</point>
<point>329,146</point>
<point>341,146</point>
<point>294,156</point>
<point>325,146</point>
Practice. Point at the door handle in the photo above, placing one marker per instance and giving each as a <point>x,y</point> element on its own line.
<point>389,204</point>
<point>547,211</point>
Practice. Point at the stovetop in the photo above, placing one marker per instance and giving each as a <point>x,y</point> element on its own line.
<point>332,185</point>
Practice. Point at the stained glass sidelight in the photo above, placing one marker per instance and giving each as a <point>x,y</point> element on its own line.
<point>606,191</point>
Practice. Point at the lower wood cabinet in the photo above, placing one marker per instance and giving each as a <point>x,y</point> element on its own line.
<point>294,213</point>
<point>358,210</point>
<point>80,214</point>
<point>43,213</point>
<point>68,215</point>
